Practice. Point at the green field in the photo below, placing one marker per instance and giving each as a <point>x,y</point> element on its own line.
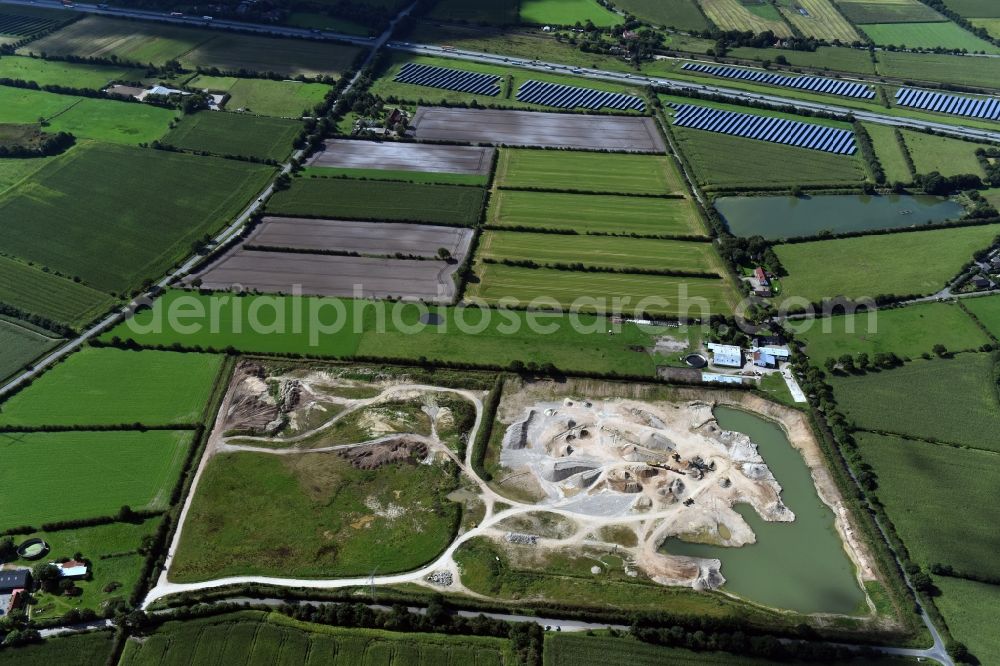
<point>153,43</point>
<point>74,75</point>
<point>928,489</point>
<point>987,311</point>
<point>887,11</point>
<point>20,345</point>
<point>890,154</point>
<point>80,650</point>
<point>981,72</point>
<point>906,332</point>
<point>974,8</point>
<point>425,177</point>
<point>235,134</point>
<point>597,292</point>
<point>588,172</point>
<point>990,25</point>
<point>493,12</point>
<point>116,564</point>
<point>618,253</point>
<point>711,157</point>
<point>942,34</point>
<point>135,212</point>
<point>824,57</point>
<point>20,105</point>
<point>919,262</point>
<point>970,609</point>
<point>947,156</point>
<point>566,12</point>
<point>313,515</point>
<point>111,386</point>
<point>258,638</point>
<point>328,22</point>
<point>13,170</point>
<point>282,99</point>
<point>681,14</point>
<point>50,476</point>
<point>951,400</point>
<point>36,292</point>
<point>570,343</point>
<point>353,200</point>
<point>585,213</point>
<point>114,122</point>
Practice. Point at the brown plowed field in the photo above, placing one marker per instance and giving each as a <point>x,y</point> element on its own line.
<point>528,128</point>
<point>404,157</point>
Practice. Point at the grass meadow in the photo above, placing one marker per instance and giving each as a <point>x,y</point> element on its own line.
<point>73,650</point>
<point>711,156</point>
<point>112,121</point>
<point>136,211</point>
<point>117,564</point>
<point>685,297</point>
<point>919,262</point>
<point>588,172</point>
<point>74,75</point>
<point>943,34</point>
<point>313,515</point>
<point>979,73</point>
<point>975,8</point>
<point>682,14</point>
<point>36,292</point>
<point>987,311</point>
<point>947,156</point>
<point>352,200</point>
<point>290,57</point>
<point>734,15</point>
<point>821,20</point>
<point>890,154</point>
<point>97,386</point>
<point>258,638</point>
<point>990,25</point>
<point>235,134</point>
<point>50,476</point>
<point>906,332</point>
<point>617,253</point>
<point>13,170</point>
<point>493,12</point>
<point>970,609</point>
<point>583,213</point>
<point>888,11</point>
<point>928,489</point>
<point>281,99</point>
<point>951,400</point>
<point>566,12</point>
<point>20,345</point>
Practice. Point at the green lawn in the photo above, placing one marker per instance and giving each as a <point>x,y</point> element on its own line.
<point>928,489</point>
<point>81,650</point>
<point>943,34</point>
<point>599,292</point>
<point>990,25</point>
<point>943,154</point>
<point>232,134</point>
<point>282,99</point>
<point>618,253</point>
<point>951,400</point>
<point>50,476</point>
<point>981,72</point>
<point>313,515</point>
<point>711,157</point>
<point>986,310</point>
<point>135,212</point>
<point>111,386</point>
<point>36,292</point>
<point>970,609</point>
<point>20,105</point>
<point>73,75</point>
<point>919,262</point>
<point>20,345</point>
<point>493,12</point>
<point>588,172</point>
<point>600,213</point>
<point>889,152</point>
<point>116,564</point>
<point>251,637</point>
<point>906,332</point>
<point>566,12</point>
<point>353,200</point>
<point>682,14</point>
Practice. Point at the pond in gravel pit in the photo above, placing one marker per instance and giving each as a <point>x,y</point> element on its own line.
<point>788,217</point>
<point>800,566</point>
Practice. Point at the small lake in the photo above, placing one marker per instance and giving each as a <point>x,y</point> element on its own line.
<point>788,217</point>
<point>799,566</point>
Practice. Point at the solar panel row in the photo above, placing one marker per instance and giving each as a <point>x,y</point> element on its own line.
<point>766,128</point>
<point>449,79</point>
<point>570,97</point>
<point>987,108</point>
<point>811,83</point>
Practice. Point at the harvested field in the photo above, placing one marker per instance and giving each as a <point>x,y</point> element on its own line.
<point>887,11</point>
<point>282,99</point>
<point>733,15</point>
<point>370,238</point>
<point>404,157</point>
<point>529,128</point>
<point>59,299</point>
<point>282,272</point>
<point>819,18</point>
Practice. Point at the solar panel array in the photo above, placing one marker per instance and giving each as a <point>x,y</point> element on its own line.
<point>766,128</point>
<point>449,79</point>
<point>812,83</point>
<point>570,97</point>
<point>987,108</point>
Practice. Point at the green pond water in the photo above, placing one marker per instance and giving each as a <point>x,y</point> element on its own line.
<point>788,217</point>
<point>799,566</point>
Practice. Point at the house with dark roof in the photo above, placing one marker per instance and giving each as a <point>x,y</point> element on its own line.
<point>14,579</point>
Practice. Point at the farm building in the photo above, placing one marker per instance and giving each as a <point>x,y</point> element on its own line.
<point>779,353</point>
<point>729,356</point>
<point>71,569</point>
<point>761,276</point>
<point>764,360</point>
<point>14,579</point>
<point>713,378</point>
